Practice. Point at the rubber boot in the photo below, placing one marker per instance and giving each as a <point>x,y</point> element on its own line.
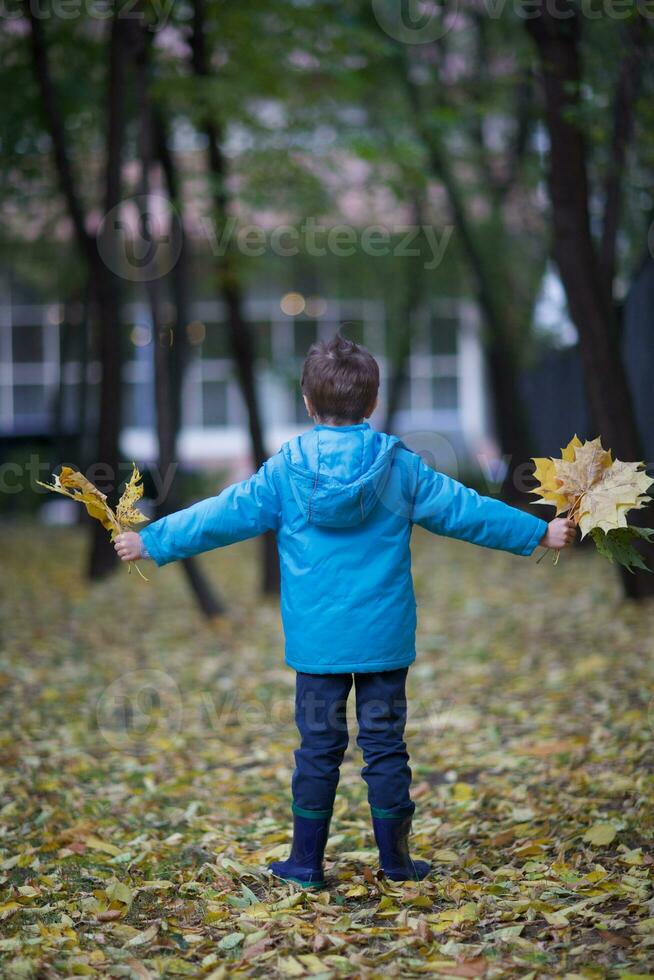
<point>392,838</point>
<point>304,865</point>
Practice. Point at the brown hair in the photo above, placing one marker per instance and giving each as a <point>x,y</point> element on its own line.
<point>340,379</point>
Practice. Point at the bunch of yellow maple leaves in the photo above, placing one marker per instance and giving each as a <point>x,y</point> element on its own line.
<point>597,492</point>
<point>71,483</point>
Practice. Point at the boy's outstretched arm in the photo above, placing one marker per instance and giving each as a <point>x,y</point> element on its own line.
<point>241,511</point>
<point>446,507</point>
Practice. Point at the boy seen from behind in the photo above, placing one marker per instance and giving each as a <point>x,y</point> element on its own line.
<point>342,500</point>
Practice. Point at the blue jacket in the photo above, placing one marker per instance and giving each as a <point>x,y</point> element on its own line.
<point>342,502</point>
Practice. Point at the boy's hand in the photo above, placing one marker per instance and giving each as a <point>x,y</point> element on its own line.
<point>129,546</point>
<point>560,533</point>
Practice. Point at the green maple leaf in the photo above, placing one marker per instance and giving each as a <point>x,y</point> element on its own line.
<point>618,545</point>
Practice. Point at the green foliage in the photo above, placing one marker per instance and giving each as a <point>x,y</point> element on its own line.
<point>272,174</point>
<point>298,87</point>
<point>618,545</point>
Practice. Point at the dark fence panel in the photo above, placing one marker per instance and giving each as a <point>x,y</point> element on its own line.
<point>553,392</point>
<point>638,346</point>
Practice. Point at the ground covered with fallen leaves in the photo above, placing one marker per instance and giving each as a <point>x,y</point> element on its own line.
<point>147,755</point>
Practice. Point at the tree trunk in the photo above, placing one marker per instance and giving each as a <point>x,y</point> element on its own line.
<point>610,403</point>
<point>59,440</point>
<point>240,335</point>
<point>84,450</point>
<point>400,355</point>
<point>628,88</point>
<point>168,370</point>
<point>107,292</point>
<point>244,353</point>
<point>107,475</point>
<point>399,360</point>
<point>102,281</point>
<point>499,341</point>
<point>180,273</point>
<point>510,417</point>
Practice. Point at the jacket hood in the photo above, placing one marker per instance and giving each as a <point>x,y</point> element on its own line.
<point>338,473</point>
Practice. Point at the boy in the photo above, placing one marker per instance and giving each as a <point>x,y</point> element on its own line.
<point>342,500</point>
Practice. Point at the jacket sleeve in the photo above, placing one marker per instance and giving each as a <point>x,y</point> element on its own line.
<point>239,512</point>
<point>446,507</point>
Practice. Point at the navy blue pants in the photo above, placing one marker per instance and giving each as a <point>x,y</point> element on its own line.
<point>320,714</point>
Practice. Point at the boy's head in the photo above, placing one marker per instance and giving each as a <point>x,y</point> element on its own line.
<point>340,381</point>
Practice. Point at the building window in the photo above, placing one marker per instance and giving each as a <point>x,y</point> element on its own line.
<point>353,330</point>
<point>138,403</point>
<point>301,416</point>
<point>27,344</point>
<point>262,333</point>
<point>445,393</point>
<point>442,335</point>
<point>70,405</point>
<point>216,341</point>
<point>214,403</point>
<point>305,334</point>
<point>404,398</point>
<point>30,401</point>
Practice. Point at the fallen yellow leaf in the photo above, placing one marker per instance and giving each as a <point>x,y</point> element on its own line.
<point>600,834</point>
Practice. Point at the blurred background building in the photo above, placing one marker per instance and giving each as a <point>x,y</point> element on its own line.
<point>48,387</point>
<point>49,376</point>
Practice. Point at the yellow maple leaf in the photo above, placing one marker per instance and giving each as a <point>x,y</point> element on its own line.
<point>546,474</point>
<point>549,489</point>
<point>127,512</point>
<point>71,483</point>
<point>621,488</point>
<point>577,476</point>
<point>570,450</point>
